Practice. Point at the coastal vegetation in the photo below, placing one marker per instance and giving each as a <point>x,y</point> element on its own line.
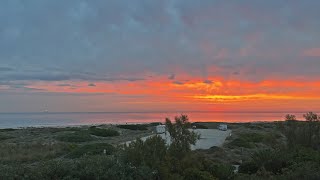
<point>103,132</point>
<point>287,149</point>
<point>140,127</point>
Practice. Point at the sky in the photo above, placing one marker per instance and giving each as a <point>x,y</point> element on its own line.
<point>159,55</point>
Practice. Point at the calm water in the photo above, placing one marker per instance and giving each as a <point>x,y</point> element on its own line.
<point>15,120</point>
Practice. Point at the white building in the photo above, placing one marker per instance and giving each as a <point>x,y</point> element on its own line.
<point>161,129</point>
<point>223,127</point>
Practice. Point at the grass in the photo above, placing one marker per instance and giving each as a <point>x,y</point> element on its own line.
<point>239,142</point>
<point>103,132</point>
<point>140,127</point>
<point>31,152</point>
<point>92,149</point>
<point>4,137</point>
<point>77,137</point>
<point>7,130</point>
<point>247,140</point>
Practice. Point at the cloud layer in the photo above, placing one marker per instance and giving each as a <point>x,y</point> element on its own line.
<point>81,46</point>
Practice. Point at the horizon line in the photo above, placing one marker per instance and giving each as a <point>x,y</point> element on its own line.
<point>178,112</point>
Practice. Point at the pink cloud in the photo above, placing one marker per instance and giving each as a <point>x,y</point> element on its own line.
<point>313,52</point>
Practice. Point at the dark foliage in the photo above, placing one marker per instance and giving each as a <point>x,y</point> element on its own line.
<point>79,136</point>
<point>103,132</point>
<point>199,125</point>
<point>92,149</point>
<point>140,127</point>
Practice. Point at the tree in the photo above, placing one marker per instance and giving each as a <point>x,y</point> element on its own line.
<point>313,132</point>
<point>181,137</point>
<point>154,151</point>
<point>311,117</point>
<point>290,117</point>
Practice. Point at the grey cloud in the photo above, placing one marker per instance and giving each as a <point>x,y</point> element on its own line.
<point>65,85</point>
<point>129,37</point>
<point>43,75</point>
<point>172,77</point>
<point>4,69</point>
<point>178,82</point>
<point>207,81</point>
<point>91,85</point>
<point>20,86</point>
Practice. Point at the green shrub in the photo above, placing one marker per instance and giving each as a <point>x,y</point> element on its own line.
<point>8,130</point>
<point>240,142</point>
<point>31,152</point>
<point>222,171</point>
<point>4,137</point>
<point>253,137</point>
<point>247,140</point>
<point>193,173</point>
<point>302,170</point>
<point>140,127</point>
<point>103,132</point>
<point>248,168</point>
<point>92,149</point>
<point>79,136</point>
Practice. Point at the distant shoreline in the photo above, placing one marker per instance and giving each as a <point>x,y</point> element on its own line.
<point>50,119</point>
<point>146,123</point>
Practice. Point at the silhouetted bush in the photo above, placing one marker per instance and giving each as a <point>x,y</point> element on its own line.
<point>155,124</point>
<point>140,127</point>
<point>199,126</point>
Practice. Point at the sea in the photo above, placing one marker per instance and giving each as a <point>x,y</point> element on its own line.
<point>62,119</point>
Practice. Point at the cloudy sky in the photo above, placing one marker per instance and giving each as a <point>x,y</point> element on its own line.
<point>159,55</point>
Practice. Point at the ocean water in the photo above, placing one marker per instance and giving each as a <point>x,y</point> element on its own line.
<point>18,120</point>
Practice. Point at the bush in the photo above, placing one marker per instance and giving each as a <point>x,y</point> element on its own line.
<point>303,170</point>
<point>80,136</point>
<point>8,130</point>
<point>150,153</point>
<point>140,127</point>
<point>92,149</point>
<point>222,171</point>
<point>103,132</point>
<point>4,137</point>
<point>192,173</point>
<point>31,152</point>
<point>248,140</point>
<point>248,168</point>
<point>240,142</point>
<point>155,124</point>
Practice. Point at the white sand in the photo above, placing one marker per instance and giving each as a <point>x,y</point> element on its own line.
<point>208,138</point>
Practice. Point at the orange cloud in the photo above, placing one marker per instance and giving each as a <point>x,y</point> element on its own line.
<point>195,93</point>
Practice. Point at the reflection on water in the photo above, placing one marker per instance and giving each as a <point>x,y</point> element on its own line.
<point>13,120</point>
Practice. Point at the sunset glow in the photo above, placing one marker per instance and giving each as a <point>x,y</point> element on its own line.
<point>159,56</point>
